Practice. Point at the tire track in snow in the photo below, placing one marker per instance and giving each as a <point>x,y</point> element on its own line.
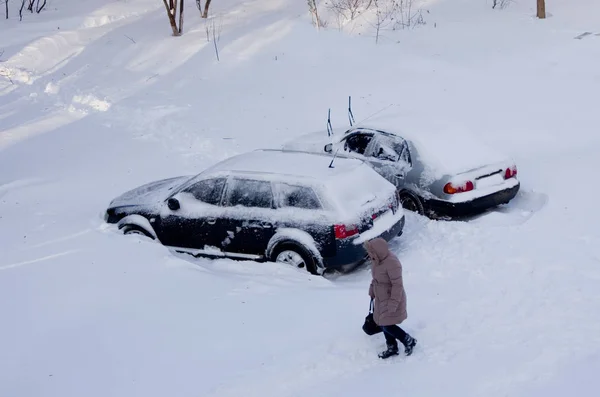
<point>37,260</point>
<point>20,183</point>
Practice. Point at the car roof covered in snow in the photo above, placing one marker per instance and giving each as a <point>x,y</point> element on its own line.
<point>290,163</point>
<point>350,185</point>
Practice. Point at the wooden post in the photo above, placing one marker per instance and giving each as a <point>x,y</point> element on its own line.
<point>541,9</point>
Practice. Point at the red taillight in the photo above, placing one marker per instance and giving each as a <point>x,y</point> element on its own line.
<point>451,188</point>
<point>510,172</point>
<point>345,231</point>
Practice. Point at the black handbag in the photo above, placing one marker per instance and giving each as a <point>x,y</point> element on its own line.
<point>370,327</point>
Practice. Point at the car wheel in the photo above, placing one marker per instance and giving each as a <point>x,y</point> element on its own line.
<point>411,202</point>
<point>296,255</point>
<point>135,229</point>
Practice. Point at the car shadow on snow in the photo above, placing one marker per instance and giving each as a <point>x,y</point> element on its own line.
<point>518,211</point>
<point>275,273</point>
<point>522,208</point>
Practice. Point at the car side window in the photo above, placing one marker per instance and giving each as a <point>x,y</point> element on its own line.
<point>208,191</point>
<point>357,143</point>
<point>294,196</point>
<point>249,193</point>
<point>389,148</point>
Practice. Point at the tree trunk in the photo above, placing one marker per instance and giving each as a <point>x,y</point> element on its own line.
<point>206,5</point>
<point>6,4</point>
<point>40,8</point>
<point>180,17</point>
<point>170,14</point>
<point>541,9</point>
<point>21,10</point>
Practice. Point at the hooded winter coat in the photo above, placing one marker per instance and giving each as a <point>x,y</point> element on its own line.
<point>386,287</point>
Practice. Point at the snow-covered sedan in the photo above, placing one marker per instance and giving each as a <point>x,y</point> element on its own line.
<point>292,207</point>
<point>441,175</point>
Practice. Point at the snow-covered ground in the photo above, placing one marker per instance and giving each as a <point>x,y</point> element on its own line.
<point>97,97</point>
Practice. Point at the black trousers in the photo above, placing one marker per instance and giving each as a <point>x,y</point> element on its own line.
<point>393,332</point>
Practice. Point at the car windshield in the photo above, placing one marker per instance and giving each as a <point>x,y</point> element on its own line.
<point>186,184</point>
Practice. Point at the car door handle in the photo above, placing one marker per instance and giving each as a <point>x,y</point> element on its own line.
<point>211,221</point>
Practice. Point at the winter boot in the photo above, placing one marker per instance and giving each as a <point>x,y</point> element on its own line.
<point>409,342</point>
<point>392,350</point>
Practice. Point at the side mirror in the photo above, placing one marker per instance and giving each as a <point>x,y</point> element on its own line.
<point>328,148</point>
<point>173,204</point>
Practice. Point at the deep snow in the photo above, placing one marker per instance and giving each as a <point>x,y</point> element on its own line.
<point>97,98</point>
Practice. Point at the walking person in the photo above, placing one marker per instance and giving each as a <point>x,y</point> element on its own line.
<point>387,291</point>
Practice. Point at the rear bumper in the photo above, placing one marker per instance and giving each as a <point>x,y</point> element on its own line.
<point>478,205</point>
<point>350,255</point>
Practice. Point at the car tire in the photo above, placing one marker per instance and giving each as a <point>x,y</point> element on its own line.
<point>295,254</point>
<point>135,229</point>
<point>411,202</point>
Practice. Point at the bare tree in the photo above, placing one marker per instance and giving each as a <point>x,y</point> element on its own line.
<point>180,16</point>
<point>501,4</point>
<point>39,8</point>
<point>171,8</point>
<point>349,9</point>
<point>406,15</point>
<point>541,9</point>
<point>395,14</point>
<point>32,6</point>
<point>203,14</point>
<point>214,32</point>
<point>206,5</point>
<point>21,10</point>
<point>314,12</point>
<point>385,14</point>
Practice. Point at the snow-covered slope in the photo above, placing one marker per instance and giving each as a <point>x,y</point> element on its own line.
<point>97,98</point>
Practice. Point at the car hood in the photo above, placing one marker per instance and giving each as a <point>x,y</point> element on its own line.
<point>149,193</point>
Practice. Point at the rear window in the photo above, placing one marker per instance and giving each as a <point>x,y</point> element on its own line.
<point>354,191</point>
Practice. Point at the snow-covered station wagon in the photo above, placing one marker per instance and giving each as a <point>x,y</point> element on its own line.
<point>306,209</point>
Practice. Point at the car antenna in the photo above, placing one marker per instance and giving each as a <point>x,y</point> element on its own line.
<point>333,159</point>
<point>329,128</point>
<point>376,113</point>
<point>350,115</point>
